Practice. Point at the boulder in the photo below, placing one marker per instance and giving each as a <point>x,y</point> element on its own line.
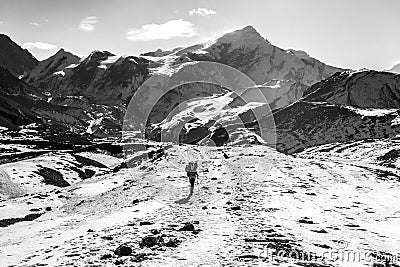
<point>187,227</point>
<point>123,250</point>
<point>172,242</point>
<point>150,241</point>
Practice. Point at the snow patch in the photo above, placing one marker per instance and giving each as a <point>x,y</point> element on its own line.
<point>61,72</point>
<point>93,189</point>
<point>110,60</point>
<point>371,112</point>
<point>72,66</point>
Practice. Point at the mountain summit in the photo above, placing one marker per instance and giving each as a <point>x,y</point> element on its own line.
<point>246,50</point>
<point>57,65</point>
<point>15,58</point>
<point>245,36</point>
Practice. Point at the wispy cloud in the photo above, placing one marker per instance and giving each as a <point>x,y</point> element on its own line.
<point>202,12</point>
<point>34,24</point>
<point>88,23</point>
<point>164,31</point>
<point>39,45</point>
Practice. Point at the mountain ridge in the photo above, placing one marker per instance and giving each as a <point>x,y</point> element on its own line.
<point>95,90</point>
<point>244,49</point>
<point>14,57</point>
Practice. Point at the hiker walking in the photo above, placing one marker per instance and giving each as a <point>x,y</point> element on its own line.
<point>191,170</point>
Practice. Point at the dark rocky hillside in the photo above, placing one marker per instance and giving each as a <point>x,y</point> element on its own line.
<point>14,58</point>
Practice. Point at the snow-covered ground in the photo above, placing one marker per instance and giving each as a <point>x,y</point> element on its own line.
<point>257,207</point>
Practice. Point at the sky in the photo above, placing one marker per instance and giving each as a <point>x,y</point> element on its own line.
<point>344,33</point>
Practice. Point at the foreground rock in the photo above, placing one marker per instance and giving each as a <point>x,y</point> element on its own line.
<point>123,250</point>
<point>151,241</point>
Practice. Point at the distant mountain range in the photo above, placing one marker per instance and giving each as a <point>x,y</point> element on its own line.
<point>312,103</point>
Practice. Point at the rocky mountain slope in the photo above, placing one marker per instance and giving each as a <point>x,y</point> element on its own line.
<point>364,89</point>
<point>247,51</point>
<point>17,101</point>
<point>219,120</point>
<point>102,77</point>
<point>22,104</point>
<point>14,58</point>
<point>291,129</point>
<point>278,93</point>
<point>348,106</point>
<point>47,70</point>
<point>306,124</point>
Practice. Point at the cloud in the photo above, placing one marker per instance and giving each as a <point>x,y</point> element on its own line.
<point>88,23</point>
<point>202,12</point>
<point>1,22</point>
<point>39,45</point>
<point>167,30</point>
<point>34,24</point>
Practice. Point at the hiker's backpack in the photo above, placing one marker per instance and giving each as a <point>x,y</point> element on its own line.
<point>191,167</point>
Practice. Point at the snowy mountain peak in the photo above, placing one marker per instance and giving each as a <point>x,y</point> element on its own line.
<point>395,68</point>
<point>246,50</point>
<point>55,64</point>
<point>97,56</point>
